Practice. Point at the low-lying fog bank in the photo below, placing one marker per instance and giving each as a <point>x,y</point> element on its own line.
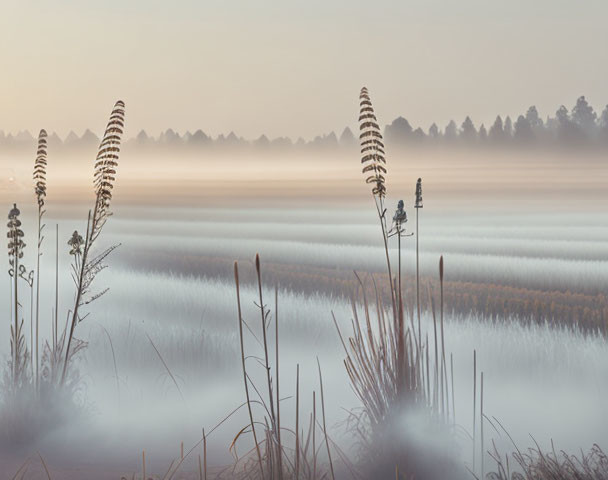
<point>532,374</point>
<point>163,359</point>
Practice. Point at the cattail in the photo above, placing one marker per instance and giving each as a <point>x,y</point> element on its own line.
<point>106,163</point>
<point>40,169</point>
<point>418,194</point>
<point>372,148</point>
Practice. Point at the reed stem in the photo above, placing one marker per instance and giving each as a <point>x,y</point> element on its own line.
<point>245,381</point>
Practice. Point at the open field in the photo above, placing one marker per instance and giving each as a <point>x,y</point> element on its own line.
<point>171,289</point>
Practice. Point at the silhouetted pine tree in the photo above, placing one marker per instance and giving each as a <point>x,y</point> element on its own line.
<point>451,132</point>
<point>585,117</point>
<point>523,133</point>
<point>468,133</point>
<point>496,134</point>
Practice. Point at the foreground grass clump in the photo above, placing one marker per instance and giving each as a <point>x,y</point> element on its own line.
<point>536,465</point>
<point>404,425</point>
<point>288,450</point>
<point>40,391</point>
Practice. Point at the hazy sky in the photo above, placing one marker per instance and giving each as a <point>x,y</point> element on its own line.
<point>294,67</point>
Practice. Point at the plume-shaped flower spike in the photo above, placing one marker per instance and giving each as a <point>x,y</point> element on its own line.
<point>372,148</point>
<point>107,161</point>
<point>40,169</point>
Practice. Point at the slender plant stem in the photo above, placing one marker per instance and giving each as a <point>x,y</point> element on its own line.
<point>453,399</point>
<point>16,315</point>
<point>40,213</point>
<point>55,329</point>
<point>297,474</point>
<point>238,301</point>
<point>474,404</point>
<point>418,281</point>
<point>32,330</point>
<point>85,251</point>
<point>380,208</point>
<point>265,339</point>
<point>204,453</point>
<point>331,465</point>
<point>276,325</point>
<point>314,438</point>
<point>481,427</point>
<point>436,378</point>
<point>444,373</point>
<point>400,332</point>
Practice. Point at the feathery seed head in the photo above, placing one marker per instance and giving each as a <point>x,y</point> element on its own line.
<point>40,169</point>
<point>107,159</point>
<point>372,148</point>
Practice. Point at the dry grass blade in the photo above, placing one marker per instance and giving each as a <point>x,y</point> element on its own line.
<point>46,470</point>
<point>331,465</point>
<point>167,368</point>
<point>20,473</point>
<point>245,381</point>
<point>113,360</point>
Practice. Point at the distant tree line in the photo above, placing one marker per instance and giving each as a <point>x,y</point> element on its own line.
<point>579,127</point>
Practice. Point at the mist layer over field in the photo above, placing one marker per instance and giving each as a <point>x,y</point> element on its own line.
<point>456,181</point>
<point>525,244</point>
<point>172,308</point>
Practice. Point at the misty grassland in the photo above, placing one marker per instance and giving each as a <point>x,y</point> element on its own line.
<point>163,359</point>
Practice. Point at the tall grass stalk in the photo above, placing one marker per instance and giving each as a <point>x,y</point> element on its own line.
<point>374,167</point>
<point>264,313</point>
<point>273,455</point>
<point>297,431</point>
<point>481,416</point>
<point>474,404</point>
<point>331,465</point>
<point>56,316</point>
<point>40,191</point>
<point>387,367</point>
<point>278,383</point>
<point>85,267</point>
<point>418,205</point>
<point>245,379</point>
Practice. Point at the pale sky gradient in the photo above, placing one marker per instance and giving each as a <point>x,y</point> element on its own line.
<point>294,67</point>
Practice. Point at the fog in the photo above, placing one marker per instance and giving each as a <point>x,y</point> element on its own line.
<point>163,358</point>
<point>534,374</point>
